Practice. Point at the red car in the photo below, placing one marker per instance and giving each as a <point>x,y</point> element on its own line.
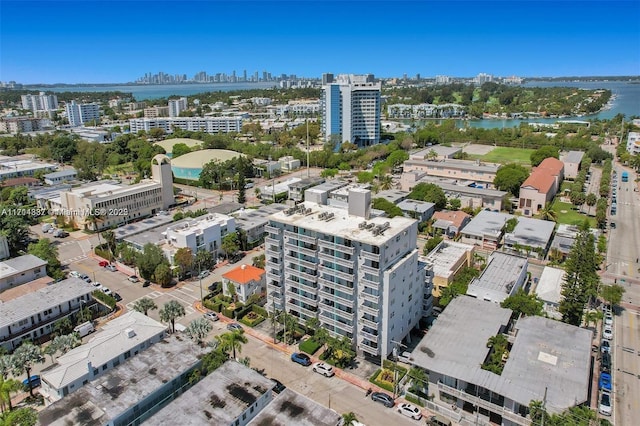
<point>103,263</point>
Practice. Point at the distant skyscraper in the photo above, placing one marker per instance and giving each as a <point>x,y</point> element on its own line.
<point>350,107</point>
<point>443,79</point>
<point>78,114</point>
<point>483,78</point>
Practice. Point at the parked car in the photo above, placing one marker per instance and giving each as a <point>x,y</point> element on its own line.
<point>85,277</point>
<point>96,284</point>
<point>410,410</point>
<point>607,332</point>
<point>604,407</point>
<point>111,268</point>
<point>117,297</point>
<point>211,316</point>
<point>300,358</point>
<point>324,369</point>
<point>134,279</point>
<point>279,387</point>
<point>605,363</point>
<point>103,263</point>
<point>608,319</point>
<point>146,283</point>
<point>60,233</point>
<point>203,274</point>
<point>75,274</point>
<point>234,326</point>
<point>612,225</point>
<point>605,381</point>
<point>383,399</point>
<point>35,382</point>
<point>105,290</point>
<point>605,346</point>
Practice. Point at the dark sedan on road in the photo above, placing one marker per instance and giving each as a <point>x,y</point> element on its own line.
<point>300,358</point>
<point>383,399</point>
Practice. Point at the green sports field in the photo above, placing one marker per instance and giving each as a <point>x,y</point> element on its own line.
<point>505,155</point>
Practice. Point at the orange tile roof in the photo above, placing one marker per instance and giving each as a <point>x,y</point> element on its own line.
<point>551,164</point>
<point>244,274</point>
<point>541,180</point>
<point>455,217</point>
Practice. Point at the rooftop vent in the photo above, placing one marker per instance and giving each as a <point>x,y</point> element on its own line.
<point>130,333</point>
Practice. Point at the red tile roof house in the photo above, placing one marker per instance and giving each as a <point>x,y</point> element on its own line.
<point>451,222</point>
<point>246,279</point>
<point>541,186</point>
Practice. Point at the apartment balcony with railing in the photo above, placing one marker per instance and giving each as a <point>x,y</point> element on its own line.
<point>336,322</point>
<point>368,255</point>
<point>369,270</point>
<point>368,335</point>
<point>369,296</point>
<point>339,274</point>
<point>369,347</point>
<point>333,310</point>
<point>335,296</point>
<point>272,230</point>
<point>273,243</point>
<point>368,322</point>
<point>368,308</point>
<point>300,249</point>
<point>296,282</point>
<point>300,262</point>
<point>302,297</point>
<point>334,285</point>
<point>334,246</point>
<point>309,311</point>
<point>328,259</point>
<point>300,237</point>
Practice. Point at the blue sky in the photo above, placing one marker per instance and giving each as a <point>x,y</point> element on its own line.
<point>118,41</point>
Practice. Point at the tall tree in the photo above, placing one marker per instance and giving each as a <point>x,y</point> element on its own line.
<point>230,244</point>
<point>24,359</point>
<point>149,260</point>
<point>522,303</point>
<point>144,305</point>
<point>591,200</point>
<point>232,341</point>
<point>612,294</point>
<point>45,250</point>
<point>7,387</point>
<point>183,259</point>
<point>581,279</point>
<point>162,275</point>
<point>171,311</point>
<point>431,193</point>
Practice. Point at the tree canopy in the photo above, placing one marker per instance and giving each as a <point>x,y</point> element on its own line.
<point>510,177</point>
<point>522,303</point>
<point>543,152</point>
<point>431,193</point>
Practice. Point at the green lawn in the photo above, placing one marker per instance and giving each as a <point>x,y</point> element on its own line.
<point>505,155</point>
<point>126,168</point>
<point>568,215</point>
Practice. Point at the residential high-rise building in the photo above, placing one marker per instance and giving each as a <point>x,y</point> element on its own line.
<point>176,106</point>
<point>78,114</point>
<point>359,276</point>
<point>350,107</point>
<point>40,102</point>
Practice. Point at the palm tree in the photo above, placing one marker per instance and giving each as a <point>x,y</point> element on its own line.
<point>62,344</point>
<point>232,341</point>
<point>7,387</point>
<point>110,238</point>
<point>386,182</point>
<point>23,360</point>
<point>170,312</point>
<point>593,317</point>
<point>547,213</point>
<point>349,419</point>
<point>198,329</point>
<point>321,336</point>
<point>418,378</point>
<point>591,200</point>
<point>144,305</point>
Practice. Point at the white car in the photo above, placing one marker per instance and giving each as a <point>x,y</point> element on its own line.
<point>608,319</point>
<point>105,290</point>
<point>111,268</point>
<point>604,407</point>
<point>607,332</point>
<point>75,274</point>
<point>96,284</point>
<point>410,410</point>
<point>212,316</point>
<point>324,369</point>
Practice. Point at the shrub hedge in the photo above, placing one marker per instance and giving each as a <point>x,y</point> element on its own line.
<point>413,399</point>
<point>385,386</point>
<point>252,322</point>
<point>104,298</point>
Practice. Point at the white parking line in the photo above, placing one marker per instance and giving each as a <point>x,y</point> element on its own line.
<point>186,294</point>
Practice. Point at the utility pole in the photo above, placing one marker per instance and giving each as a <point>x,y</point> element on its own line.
<point>544,403</point>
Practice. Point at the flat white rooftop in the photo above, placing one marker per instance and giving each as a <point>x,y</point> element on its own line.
<point>342,224</point>
<point>444,257</point>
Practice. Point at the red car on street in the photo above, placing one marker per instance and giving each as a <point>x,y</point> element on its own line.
<point>103,263</point>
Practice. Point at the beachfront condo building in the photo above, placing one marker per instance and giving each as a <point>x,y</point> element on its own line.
<point>350,106</point>
<point>358,275</point>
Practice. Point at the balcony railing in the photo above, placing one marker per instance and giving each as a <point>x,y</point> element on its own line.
<point>298,308</point>
<point>370,348</point>
<point>368,309</point>
<point>332,259</point>
<point>296,261</point>
<point>340,274</point>
<point>272,229</point>
<point>494,408</point>
<point>370,297</point>
<point>368,336</point>
<point>368,323</point>
<point>300,237</point>
<point>369,270</point>
<point>333,310</point>
<point>334,246</point>
<point>299,296</point>
<point>299,249</point>
<point>273,276</point>
<point>370,256</point>
<point>334,322</point>
<point>273,241</point>
<point>333,296</point>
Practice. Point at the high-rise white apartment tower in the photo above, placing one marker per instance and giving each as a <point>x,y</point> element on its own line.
<point>40,103</point>
<point>176,106</point>
<point>358,275</point>
<point>350,107</point>
<point>78,114</point>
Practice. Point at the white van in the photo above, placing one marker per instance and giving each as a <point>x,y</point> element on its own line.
<point>46,227</point>
<point>84,329</point>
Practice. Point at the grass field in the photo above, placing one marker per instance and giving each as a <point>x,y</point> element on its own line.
<point>569,216</point>
<point>506,155</point>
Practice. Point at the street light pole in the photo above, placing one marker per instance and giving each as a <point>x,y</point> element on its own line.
<point>395,368</point>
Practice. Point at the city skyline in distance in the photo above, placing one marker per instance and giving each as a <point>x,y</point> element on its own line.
<point>117,42</point>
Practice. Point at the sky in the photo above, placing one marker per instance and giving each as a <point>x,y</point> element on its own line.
<point>119,41</point>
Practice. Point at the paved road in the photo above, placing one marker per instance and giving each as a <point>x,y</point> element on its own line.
<point>622,268</point>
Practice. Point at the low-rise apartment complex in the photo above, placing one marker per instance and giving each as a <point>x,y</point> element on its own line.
<point>502,277</point>
<point>541,186</point>
<point>194,124</point>
<point>20,270</point>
